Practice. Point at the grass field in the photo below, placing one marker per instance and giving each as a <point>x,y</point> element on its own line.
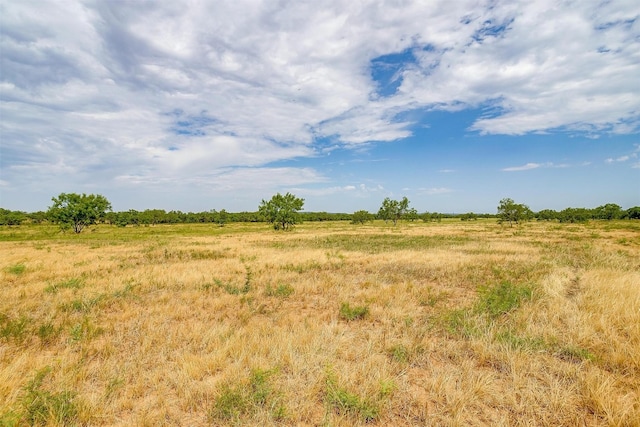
<point>332,324</point>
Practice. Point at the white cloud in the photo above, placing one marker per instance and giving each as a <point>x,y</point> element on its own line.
<point>530,166</point>
<point>526,167</point>
<point>144,93</point>
<point>435,191</point>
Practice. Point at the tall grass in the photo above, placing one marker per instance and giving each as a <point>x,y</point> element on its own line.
<point>332,324</point>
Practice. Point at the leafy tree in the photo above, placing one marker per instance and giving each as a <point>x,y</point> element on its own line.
<point>8,217</point>
<point>411,214</point>
<point>609,211</point>
<point>547,215</point>
<point>469,216</point>
<point>393,210</point>
<point>510,211</point>
<point>360,217</point>
<point>574,215</point>
<point>633,213</point>
<point>77,211</point>
<point>281,211</point>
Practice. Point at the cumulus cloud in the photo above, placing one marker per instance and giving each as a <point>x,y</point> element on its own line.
<point>141,93</point>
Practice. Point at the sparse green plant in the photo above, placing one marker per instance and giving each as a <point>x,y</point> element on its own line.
<point>17,269</point>
<point>349,313</point>
<point>500,299</point>
<point>345,402</point>
<point>15,329</point>
<point>283,290</point>
<point>43,407</point>
<point>399,353</point>
<point>575,354</point>
<point>247,397</point>
<point>74,283</point>
<point>47,332</point>
<point>9,419</point>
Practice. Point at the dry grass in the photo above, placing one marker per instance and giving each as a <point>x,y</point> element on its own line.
<point>459,324</point>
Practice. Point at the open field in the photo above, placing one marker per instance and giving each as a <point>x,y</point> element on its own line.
<point>452,323</point>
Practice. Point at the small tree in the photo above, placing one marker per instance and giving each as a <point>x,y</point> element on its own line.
<point>510,211</point>
<point>393,210</point>
<point>281,211</point>
<point>360,217</point>
<point>78,211</point>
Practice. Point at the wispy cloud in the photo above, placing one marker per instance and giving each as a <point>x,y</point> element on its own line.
<point>526,167</point>
<point>530,166</point>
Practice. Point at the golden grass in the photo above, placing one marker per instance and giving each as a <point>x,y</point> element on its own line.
<point>241,325</point>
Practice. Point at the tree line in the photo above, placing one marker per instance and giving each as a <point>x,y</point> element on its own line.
<point>75,211</point>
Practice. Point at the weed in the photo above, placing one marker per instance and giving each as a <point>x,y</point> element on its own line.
<point>16,269</point>
<point>500,299</point>
<point>83,330</point>
<point>345,402</point>
<point>349,313</point>
<point>74,283</point>
<point>42,407</point>
<point>510,339</point>
<point>47,332</point>
<point>247,398</point>
<point>575,354</point>
<point>15,329</point>
<point>399,353</point>
<point>459,322</point>
<point>282,291</point>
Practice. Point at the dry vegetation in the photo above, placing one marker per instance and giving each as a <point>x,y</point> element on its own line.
<point>330,324</point>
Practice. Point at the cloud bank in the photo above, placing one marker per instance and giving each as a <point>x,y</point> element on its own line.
<point>126,94</point>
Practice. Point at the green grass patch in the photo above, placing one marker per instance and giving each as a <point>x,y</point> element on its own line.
<point>16,269</point>
<point>281,291</point>
<point>74,283</point>
<point>44,407</point>
<point>246,398</point>
<point>14,329</point>
<point>349,313</point>
<point>497,300</point>
<point>344,402</point>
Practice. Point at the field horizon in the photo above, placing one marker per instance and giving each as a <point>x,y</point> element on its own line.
<point>334,324</point>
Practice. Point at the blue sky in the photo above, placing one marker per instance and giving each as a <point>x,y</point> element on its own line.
<point>209,105</point>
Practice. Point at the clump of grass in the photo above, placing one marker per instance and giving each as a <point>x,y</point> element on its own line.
<point>576,354</point>
<point>281,291</point>
<point>399,353</point>
<point>16,269</point>
<point>345,402</point>
<point>43,407</point>
<point>349,313</point>
<point>247,398</point>
<point>73,283</point>
<point>514,341</point>
<point>459,322</point>
<point>47,332</point>
<point>15,329</point>
<point>500,299</point>
<point>233,289</point>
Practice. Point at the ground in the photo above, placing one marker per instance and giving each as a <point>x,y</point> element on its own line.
<point>452,323</point>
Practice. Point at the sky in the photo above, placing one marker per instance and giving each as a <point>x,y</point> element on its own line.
<point>200,105</point>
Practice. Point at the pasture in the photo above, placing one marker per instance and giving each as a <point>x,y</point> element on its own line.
<point>331,324</point>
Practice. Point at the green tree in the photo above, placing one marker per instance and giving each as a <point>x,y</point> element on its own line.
<point>633,213</point>
<point>77,211</point>
<point>360,217</point>
<point>281,211</point>
<point>609,211</point>
<point>510,211</point>
<point>393,210</point>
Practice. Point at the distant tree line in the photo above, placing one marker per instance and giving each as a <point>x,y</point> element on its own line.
<point>77,211</point>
